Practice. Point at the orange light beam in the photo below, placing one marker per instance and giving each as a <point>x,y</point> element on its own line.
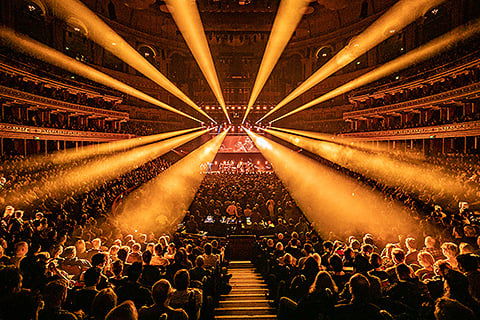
<point>85,177</point>
<point>186,16</point>
<point>395,19</point>
<point>332,201</point>
<point>288,16</point>
<point>382,167</point>
<point>69,155</point>
<point>77,14</point>
<point>26,45</point>
<point>160,204</point>
<point>418,55</point>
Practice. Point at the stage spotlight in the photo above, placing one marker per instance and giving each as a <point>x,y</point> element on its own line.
<point>398,17</point>
<point>160,204</point>
<point>418,55</point>
<point>288,16</point>
<point>40,51</point>
<point>325,196</point>
<point>74,11</point>
<point>186,16</point>
<point>85,177</point>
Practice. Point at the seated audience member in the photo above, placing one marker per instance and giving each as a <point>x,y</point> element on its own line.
<point>21,250</point>
<point>338,275</point>
<point>408,290</point>
<point>81,249</point>
<point>118,279</point>
<point>132,290</point>
<point>426,261</point>
<point>188,299</point>
<point>468,264</point>
<point>317,304</point>
<point>136,254</point>
<point>54,296</point>
<point>376,263</point>
<point>431,247</point>
<point>412,253</point>
<point>104,301</point>
<point>161,295</point>
<point>457,288</point>
<point>450,251</point>
<point>124,311</point>
<point>96,248</point>
<point>398,257</point>
<point>210,259</point>
<point>449,309</point>
<point>158,259</point>
<point>73,265</point>
<point>150,274</point>
<point>82,298</point>
<point>199,272</point>
<point>359,307</point>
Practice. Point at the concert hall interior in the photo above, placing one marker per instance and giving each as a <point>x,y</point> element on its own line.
<point>232,159</point>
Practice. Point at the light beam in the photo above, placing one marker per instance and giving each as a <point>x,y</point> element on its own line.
<point>40,51</point>
<point>418,55</point>
<point>69,155</point>
<point>83,178</point>
<point>400,15</point>
<point>160,204</point>
<point>333,202</point>
<point>98,31</point>
<point>288,16</point>
<point>186,16</point>
<point>384,168</point>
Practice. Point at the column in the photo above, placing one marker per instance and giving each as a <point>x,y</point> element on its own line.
<point>443,145</point>
<point>1,145</point>
<point>46,147</point>
<point>25,147</point>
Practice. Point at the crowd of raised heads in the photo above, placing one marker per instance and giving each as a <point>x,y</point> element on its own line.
<point>99,274</point>
<point>64,257</point>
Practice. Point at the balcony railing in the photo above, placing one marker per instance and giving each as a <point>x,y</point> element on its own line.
<point>33,99</point>
<point>16,131</point>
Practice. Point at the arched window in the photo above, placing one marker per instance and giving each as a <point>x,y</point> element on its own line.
<point>148,53</point>
<point>322,55</point>
<point>76,44</point>
<point>437,22</point>
<point>30,20</point>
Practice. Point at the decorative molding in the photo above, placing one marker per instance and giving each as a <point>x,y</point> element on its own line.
<point>455,94</point>
<point>15,94</point>
<point>464,129</point>
<point>17,131</point>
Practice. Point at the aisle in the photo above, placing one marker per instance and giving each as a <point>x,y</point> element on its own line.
<point>247,298</point>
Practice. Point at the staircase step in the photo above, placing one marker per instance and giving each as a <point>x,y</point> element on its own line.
<point>245,296</point>
<point>248,285</point>
<point>244,311</point>
<point>247,317</point>
<point>247,290</point>
<point>242,303</point>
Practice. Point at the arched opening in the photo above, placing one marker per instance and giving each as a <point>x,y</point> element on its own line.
<point>148,53</point>
<point>322,55</point>
<point>76,44</point>
<point>30,20</point>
